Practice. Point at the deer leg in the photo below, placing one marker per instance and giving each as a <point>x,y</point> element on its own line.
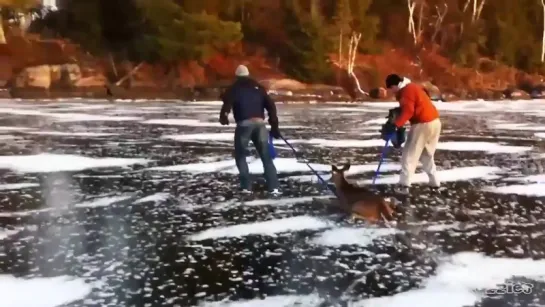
<point>386,210</point>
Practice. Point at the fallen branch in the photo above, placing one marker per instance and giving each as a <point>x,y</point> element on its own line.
<point>129,74</point>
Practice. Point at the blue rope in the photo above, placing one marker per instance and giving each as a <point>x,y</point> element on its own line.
<point>382,156</point>
<point>330,188</point>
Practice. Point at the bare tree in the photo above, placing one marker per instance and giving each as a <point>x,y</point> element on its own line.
<point>476,9</point>
<point>414,28</point>
<point>352,52</point>
<point>411,5</point>
<point>543,36</point>
<point>439,20</point>
<point>2,34</point>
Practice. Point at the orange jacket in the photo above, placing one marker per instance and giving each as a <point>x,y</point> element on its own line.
<point>416,106</point>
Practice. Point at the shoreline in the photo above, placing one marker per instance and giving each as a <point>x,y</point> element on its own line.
<point>211,94</point>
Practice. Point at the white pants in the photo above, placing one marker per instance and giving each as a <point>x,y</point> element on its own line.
<point>420,146</point>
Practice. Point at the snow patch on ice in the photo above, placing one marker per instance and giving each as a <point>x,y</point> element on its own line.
<point>23,213</point>
<point>14,128</point>
<point>268,228</point>
<point>48,163</point>
<point>157,197</point>
<point>197,123</point>
<point>518,127</point>
<point>45,292</point>
<point>77,134</point>
<point>68,117</point>
<point>283,165</point>
<point>347,143</point>
<point>81,117</point>
<point>536,188</point>
<point>352,236</point>
<point>489,147</point>
<point>17,186</point>
<point>103,201</point>
<point>456,174</point>
<point>6,233</point>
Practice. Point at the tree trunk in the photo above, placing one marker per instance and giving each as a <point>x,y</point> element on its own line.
<point>112,64</point>
<point>341,56</point>
<point>315,9</point>
<point>543,36</point>
<point>2,34</point>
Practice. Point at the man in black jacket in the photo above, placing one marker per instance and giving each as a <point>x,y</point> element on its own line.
<point>249,100</point>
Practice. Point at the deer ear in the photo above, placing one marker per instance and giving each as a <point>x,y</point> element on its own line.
<point>334,168</point>
<point>346,166</point>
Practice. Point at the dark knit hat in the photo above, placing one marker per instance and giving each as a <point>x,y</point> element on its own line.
<point>392,80</point>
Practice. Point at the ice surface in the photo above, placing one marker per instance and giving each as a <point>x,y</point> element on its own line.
<point>5,233</point>
<point>17,186</point>
<point>157,197</point>
<point>489,147</point>
<point>13,128</point>
<point>225,137</point>
<point>68,117</point>
<point>455,284</point>
<point>47,163</point>
<point>271,301</point>
<point>200,137</point>
<point>181,122</point>
<point>456,280</point>
<point>41,292</point>
<point>518,126</point>
<point>60,133</point>
<point>270,202</point>
<point>24,213</point>
<point>456,174</point>
<point>540,135</point>
<point>452,146</point>
<point>352,236</point>
<point>347,143</point>
<point>81,117</point>
<point>103,201</point>
<point>198,123</point>
<point>536,188</point>
<point>269,228</point>
<point>283,165</point>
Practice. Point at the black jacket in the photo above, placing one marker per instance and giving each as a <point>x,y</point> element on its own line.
<point>248,99</point>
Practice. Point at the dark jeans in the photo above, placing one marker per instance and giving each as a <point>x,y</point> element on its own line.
<point>259,135</point>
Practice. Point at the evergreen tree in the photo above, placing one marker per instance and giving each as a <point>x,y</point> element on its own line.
<point>307,48</point>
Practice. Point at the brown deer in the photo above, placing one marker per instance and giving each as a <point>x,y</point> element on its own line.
<point>360,201</point>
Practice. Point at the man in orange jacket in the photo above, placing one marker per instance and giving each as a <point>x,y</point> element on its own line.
<point>418,109</point>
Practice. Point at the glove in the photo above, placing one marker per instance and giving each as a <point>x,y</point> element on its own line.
<point>224,120</point>
<point>275,131</point>
<point>399,137</point>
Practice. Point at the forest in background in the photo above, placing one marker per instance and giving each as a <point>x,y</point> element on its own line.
<point>308,40</point>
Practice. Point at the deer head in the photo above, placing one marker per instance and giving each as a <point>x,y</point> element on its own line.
<point>337,174</point>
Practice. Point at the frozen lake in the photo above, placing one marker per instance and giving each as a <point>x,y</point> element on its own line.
<point>135,204</point>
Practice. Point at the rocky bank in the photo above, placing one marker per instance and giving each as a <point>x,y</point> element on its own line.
<point>33,68</point>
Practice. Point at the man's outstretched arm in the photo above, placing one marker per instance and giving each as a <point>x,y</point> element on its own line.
<point>227,103</point>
